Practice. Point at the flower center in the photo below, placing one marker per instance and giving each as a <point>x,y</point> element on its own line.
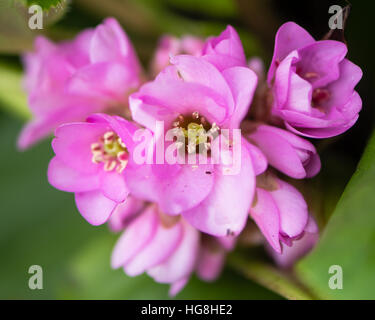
<point>319,96</point>
<point>111,151</point>
<point>197,132</point>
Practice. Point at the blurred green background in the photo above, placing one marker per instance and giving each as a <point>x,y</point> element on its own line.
<point>40,225</point>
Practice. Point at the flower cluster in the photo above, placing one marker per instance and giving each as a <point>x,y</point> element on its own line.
<point>230,154</point>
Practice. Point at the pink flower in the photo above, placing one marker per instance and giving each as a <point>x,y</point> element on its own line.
<point>68,81</point>
<point>91,160</point>
<point>288,153</point>
<point>279,210</point>
<point>300,247</point>
<point>313,84</point>
<point>168,249</point>
<point>200,91</point>
<point>170,46</point>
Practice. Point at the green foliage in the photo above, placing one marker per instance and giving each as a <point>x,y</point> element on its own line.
<point>348,239</point>
<point>269,276</point>
<point>12,97</point>
<point>46,4</point>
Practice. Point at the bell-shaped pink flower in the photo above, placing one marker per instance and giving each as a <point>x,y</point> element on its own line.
<point>299,248</point>
<point>165,247</point>
<point>68,81</point>
<point>170,46</point>
<point>279,210</point>
<point>288,153</point>
<point>313,84</point>
<point>169,250</point>
<point>201,91</point>
<point>91,160</point>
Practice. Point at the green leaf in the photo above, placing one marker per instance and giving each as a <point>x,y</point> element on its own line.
<point>268,276</point>
<point>348,239</point>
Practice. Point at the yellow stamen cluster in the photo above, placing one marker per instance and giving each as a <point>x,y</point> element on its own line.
<point>197,131</point>
<point>111,151</point>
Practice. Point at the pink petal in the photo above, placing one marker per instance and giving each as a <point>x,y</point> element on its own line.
<point>72,145</point>
<point>279,152</point>
<point>104,80</point>
<point>67,110</point>
<point>342,89</point>
<point>299,248</point>
<point>228,243</point>
<point>322,128</point>
<point>226,46</point>
<point>177,286</point>
<point>292,209</point>
<point>311,226</point>
<point>171,93</point>
<point>142,183</point>
<point>182,262</point>
<point>197,70</point>
<point>282,81</point>
<point>67,179</point>
<point>210,263</point>
<point>226,208</point>
<point>108,42</point>
<point>113,186</point>
<point>32,132</point>
<point>266,215</point>
<point>258,159</point>
<point>124,213</point>
<point>182,187</point>
<point>289,37</point>
<point>323,58</point>
<point>147,114</point>
<point>94,206</point>
<point>123,128</point>
<point>300,93</point>
<point>242,82</point>
<point>139,233</point>
<point>162,246</point>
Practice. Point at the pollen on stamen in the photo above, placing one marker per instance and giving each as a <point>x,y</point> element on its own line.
<point>196,131</point>
<point>111,151</point>
<point>95,147</point>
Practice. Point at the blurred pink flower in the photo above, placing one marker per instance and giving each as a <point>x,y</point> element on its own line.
<point>168,249</point>
<point>212,255</point>
<point>91,160</point>
<point>279,210</point>
<point>288,153</point>
<point>313,84</point>
<point>214,92</point>
<point>170,46</point>
<point>68,81</point>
